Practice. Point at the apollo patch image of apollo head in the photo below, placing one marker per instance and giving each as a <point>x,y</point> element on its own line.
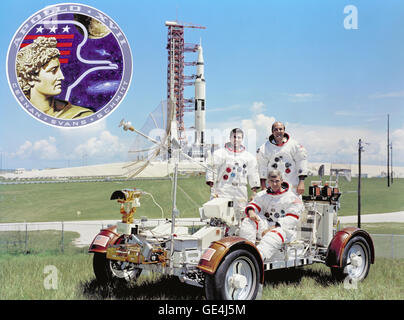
<point>69,65</point>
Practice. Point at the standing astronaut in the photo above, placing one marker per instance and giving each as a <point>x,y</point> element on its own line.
<point>232,168</point>
<point>285,154</point>
<point>273,216</point>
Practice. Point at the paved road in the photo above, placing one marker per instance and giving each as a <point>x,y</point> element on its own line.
<point>88,229</point>
<point>375,218</point>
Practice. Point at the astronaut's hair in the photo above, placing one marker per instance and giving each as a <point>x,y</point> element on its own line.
<point>235,131</point>
<point>272,129</point>
<point>32,58</point>
<point>274,174</point>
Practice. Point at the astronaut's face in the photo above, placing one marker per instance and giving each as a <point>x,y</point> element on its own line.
<point>50,79</point>
<point>275,183</point>
<point>237,139</point>
<point>278,130</point>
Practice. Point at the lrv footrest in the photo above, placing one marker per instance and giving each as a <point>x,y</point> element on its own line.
<point>133,253</point>
<point>281,264</point>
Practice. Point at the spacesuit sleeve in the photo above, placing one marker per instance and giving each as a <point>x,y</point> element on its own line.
<point>213,162</point>
<point>262,162</point>
<point>211,167</point>
<point>293,213</point>
<point>253,176</point>
<point>256,204</point>
<point>300,157</point>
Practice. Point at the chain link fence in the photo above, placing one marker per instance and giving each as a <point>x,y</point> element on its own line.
<point>57,237</point>
<point>388,245</point>
<point>66,236</point>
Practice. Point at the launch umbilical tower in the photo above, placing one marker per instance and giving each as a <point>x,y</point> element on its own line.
<point>176,80</point>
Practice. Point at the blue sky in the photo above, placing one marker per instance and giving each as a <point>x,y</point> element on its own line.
<point>287,60</point>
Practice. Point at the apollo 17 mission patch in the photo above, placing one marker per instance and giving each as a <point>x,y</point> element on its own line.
<point>69,65</point>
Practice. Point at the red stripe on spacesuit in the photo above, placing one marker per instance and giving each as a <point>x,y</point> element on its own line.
<point>251,206</point>
<point>274,231</point>
<point>292,215</point>
<point>255,205</point>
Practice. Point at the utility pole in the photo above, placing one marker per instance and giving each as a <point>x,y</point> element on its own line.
<point>388,151</point>
<point>391,161</point>
<point>360,149</point>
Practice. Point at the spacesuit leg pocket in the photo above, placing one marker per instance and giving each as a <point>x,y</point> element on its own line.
<point>271,242</point>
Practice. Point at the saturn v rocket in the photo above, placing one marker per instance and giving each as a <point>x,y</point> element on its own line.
<point>200,96</point>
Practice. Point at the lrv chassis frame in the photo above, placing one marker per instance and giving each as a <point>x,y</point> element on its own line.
<point>188,263</point>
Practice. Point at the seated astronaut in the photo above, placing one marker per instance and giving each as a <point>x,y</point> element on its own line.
<point>272,216</point>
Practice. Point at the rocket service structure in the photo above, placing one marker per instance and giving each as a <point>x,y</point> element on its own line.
<point>176,48</point>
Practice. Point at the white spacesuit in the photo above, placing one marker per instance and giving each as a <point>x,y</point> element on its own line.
<point>231,171</point>
<point>290,158</point>
<point>280,210</point>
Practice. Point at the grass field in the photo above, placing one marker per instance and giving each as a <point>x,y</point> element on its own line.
<point>37,242</point>
<point>63,201</point>
<point>25,277</point>
<point>376,197</point>
<point>90,200</point>
<point>382,228</point>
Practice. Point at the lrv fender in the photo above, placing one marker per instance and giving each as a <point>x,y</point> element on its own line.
<point>103,239</point>
<point>213,256</point>
<point>337,245</point>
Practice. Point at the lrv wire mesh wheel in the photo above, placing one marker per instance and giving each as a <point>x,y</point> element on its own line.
<point>107,270</point>
<point>237,278</point>
<point>355,261</point>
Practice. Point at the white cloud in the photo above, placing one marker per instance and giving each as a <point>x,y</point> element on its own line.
<point>258,107</point>
<point>348,113</point>
<point>394,94</point>
<point>94,142</point>
<point>340,144</point>
<point>227,109</point>
<point>24,151</point>
<point>256,129</point>
<point>302,97</point>
<point>44,149</point>
<point>104,146</point>
<point>397,141</point>
<point>90,130</point>
<point>257,118</point>
<point>261,123</point>
<point>97,146</point>
<point>323,143</point>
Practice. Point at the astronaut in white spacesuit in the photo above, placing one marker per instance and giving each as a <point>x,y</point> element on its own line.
<point>272,216</point>
<point>285,154</point>
<point>232,168</point>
